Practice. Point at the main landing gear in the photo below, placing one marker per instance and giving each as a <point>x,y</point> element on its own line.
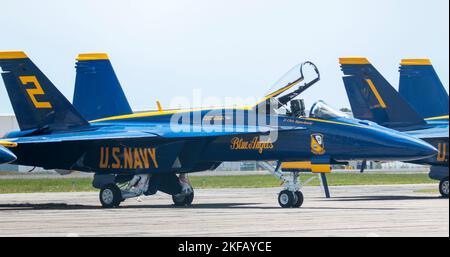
<point>116,189</point>
<point>186,197</point>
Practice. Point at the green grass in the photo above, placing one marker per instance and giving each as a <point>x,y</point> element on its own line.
<point>45,185</point>
<point>427,191</point>
<point>253,181</point>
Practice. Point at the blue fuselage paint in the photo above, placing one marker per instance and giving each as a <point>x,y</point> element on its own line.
<point>344,139</point>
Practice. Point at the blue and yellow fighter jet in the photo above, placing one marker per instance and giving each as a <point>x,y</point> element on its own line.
<point>420,109</point>
<point>140,154</point>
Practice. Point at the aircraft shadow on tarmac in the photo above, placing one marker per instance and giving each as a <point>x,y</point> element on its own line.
<point>383,198</point>
<point>69,207</point>
<point>63,206</point>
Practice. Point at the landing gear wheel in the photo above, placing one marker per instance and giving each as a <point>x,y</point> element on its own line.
<point>183,200</point>
<point>443,188</point>
<point>110,196</point>
<point>298,199</point>
<point>286,199</point>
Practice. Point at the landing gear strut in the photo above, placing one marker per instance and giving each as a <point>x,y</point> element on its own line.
<point>443,188</point>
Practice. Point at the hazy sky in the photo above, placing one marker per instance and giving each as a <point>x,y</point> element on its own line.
<point>233,48</point>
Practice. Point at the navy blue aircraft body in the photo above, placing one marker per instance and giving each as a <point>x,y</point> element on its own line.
<point>142,153</point>
<point>420,109</point>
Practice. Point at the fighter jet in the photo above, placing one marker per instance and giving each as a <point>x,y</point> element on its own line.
<point>420,110</point>
<point>143,153</point>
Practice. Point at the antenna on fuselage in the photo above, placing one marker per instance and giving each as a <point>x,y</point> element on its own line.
<point>160,109</point>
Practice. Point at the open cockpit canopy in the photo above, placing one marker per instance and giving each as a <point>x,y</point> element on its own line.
<point>289,87</point>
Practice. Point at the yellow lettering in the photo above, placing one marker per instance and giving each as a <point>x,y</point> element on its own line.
<point>116,164</point>
<point>255,144</point>
<point>442,150</point>
<point>128,158</point>
<point>104,157</point>
<point>137,159</point>
<point>152,152</point>
<point>144,158</point>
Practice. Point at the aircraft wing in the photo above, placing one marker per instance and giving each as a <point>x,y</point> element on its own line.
<point>435,132</point>
<point>163,130</point>
<point>82,136</point>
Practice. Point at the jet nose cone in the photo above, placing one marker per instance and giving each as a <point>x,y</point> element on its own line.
<point>411,148</point>
<point>6,156</point>
<point>422,149</point>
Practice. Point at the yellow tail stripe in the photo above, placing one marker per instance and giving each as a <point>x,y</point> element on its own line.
<point>377,95</point>
<point>12,55</point>
<point>406,62</point>
<point>92,57</point>
<point>353,60</point>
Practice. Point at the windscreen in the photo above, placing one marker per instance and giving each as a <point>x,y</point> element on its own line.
<point>321,110</point>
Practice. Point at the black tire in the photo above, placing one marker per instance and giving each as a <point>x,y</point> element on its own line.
<point>183,200</point>
<point>110,196</point>
<point>189,199</point>
<point>286,199</point>
<point>443,188</point>
<point>298,200</point>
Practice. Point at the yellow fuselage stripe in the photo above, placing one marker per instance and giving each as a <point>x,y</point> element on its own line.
<point>438,118</point>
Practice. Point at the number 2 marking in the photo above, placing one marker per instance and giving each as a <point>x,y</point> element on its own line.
<point>33,92</point>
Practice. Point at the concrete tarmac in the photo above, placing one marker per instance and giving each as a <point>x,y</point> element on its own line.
<point>393,210</point>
